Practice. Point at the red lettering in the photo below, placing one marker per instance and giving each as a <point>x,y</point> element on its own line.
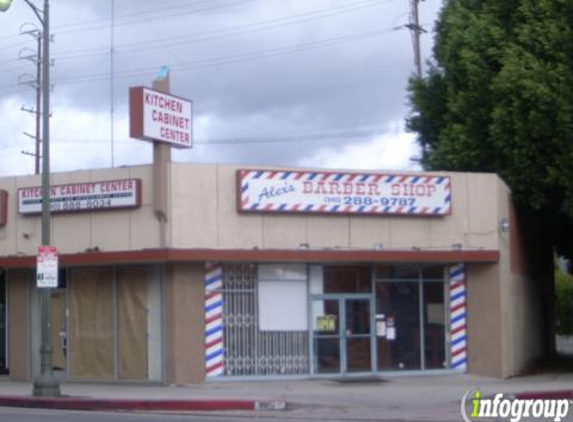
<point>306,187</point>
<point>421,190</point>
<point>334,188</point>
<point>373,189</point>
<point>348,188</point>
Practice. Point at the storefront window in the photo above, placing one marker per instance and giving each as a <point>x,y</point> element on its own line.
<point>114,323</point>
<point>265,319</point>
<point>410,317</point>
<point>347,279</point>
<point>398,325</point>
<point>434,325</point>
<point>92,323</point>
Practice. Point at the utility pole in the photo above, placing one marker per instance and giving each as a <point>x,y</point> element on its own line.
<point>111,81</point>
<point>38,102</point>
<point>37,85</point>
<point>416,30</point>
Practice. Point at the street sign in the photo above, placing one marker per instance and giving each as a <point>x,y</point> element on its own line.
<point>47,267</point>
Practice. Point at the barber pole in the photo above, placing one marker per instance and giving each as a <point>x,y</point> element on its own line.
<point>214,354</point>
<point>458,317</point>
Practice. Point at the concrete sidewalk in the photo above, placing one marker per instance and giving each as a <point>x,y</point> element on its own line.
<point>418,398</point>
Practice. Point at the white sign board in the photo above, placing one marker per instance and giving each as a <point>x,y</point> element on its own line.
<point>156,116</point>
<point>343,193</point>
<point>47,267</point>
<point>89,196</point>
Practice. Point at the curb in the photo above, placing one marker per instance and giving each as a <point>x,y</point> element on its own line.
<point>71,403</point>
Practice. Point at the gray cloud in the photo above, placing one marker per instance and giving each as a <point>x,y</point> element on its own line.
<point>254,69</point>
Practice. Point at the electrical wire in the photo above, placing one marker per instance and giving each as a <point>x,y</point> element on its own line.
<point>223,60</point>
<point>220,33</point>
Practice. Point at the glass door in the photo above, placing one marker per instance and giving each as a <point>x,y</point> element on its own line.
<point>342,334</point>
<point>357,335</point>
<point>326,336</point>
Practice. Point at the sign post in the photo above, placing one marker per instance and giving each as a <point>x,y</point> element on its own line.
<point>166,120</point>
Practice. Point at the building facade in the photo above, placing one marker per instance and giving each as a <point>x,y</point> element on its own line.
<point>266,273</point>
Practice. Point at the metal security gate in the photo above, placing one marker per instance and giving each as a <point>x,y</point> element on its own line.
<point>249,351</point>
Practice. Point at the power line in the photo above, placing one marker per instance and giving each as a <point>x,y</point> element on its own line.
<point>223,32</point>
<point>153,12</point>
<point>224,60</point>
<point>343,133</point>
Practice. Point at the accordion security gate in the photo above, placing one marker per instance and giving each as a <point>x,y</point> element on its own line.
<point>248,350</point>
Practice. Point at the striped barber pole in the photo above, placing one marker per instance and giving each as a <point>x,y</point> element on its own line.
<point>214,320</point>
<point>458,317</point>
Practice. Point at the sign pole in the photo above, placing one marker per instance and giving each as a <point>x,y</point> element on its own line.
<point>161,160</point>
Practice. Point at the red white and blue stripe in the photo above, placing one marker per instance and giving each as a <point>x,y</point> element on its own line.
<point>458,317</point>
<point>214,353</point>
<point>252,182</point>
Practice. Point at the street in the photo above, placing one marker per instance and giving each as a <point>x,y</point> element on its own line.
<point>45,415</point>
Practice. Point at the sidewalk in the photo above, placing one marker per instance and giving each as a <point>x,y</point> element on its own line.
<point>419,398</point>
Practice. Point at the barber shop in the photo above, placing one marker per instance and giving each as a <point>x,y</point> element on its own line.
<point>264,273</point>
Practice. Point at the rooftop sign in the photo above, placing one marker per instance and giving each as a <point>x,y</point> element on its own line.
<point>156,116</point>
<point>89,196</point>
<point>272,191</point>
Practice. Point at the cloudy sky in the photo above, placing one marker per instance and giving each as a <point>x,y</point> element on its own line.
<point>279,82</point>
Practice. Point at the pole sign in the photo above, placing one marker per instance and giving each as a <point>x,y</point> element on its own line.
<point>89,196</point>
<point>47,267</point>
<point>156,116</point>
<point>272,191</point>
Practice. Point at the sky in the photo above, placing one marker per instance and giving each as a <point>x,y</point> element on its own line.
<point>313,83</point>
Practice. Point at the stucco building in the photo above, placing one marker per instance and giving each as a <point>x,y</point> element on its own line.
<point>268,273</point>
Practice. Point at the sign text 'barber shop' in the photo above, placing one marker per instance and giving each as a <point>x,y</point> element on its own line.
<point>343,193</point>
<point>89,196</point>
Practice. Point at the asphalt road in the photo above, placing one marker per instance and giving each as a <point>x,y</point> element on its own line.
<point>44,415</point>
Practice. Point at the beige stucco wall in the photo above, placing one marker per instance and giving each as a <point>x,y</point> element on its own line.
<point>484,328</point>
<point>204,214</point>
<point>184,323</point>
<point>76,232</point>
<point>520,318</point>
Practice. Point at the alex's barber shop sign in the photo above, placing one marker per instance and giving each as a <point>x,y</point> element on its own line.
<point>342,193</point>
<point>89,196</point>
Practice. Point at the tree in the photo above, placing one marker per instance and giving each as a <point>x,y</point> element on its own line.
<point>498,97</point>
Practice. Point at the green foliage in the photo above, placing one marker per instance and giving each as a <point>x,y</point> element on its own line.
<point>563,302</point>
<point>499,97</point>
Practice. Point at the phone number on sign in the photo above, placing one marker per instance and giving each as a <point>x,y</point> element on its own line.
<point>372,201</point>
<point>81,205</point>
